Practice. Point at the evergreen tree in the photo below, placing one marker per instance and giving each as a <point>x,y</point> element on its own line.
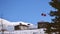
<point>55,25</point>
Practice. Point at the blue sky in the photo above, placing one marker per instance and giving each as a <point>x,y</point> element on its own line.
<point>25,10</point>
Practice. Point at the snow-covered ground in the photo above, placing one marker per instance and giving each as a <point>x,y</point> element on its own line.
<point>36,31</point>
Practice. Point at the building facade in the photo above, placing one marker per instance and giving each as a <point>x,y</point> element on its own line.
<point>42,24</point>
<point>21,27</point>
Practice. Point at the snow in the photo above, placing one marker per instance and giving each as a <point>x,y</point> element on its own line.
<point>12,23</point>
<point>36,31</point>
<point>9,26</point>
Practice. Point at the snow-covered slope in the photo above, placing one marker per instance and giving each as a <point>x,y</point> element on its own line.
<point>3,21</point>
<point>10,25</point>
